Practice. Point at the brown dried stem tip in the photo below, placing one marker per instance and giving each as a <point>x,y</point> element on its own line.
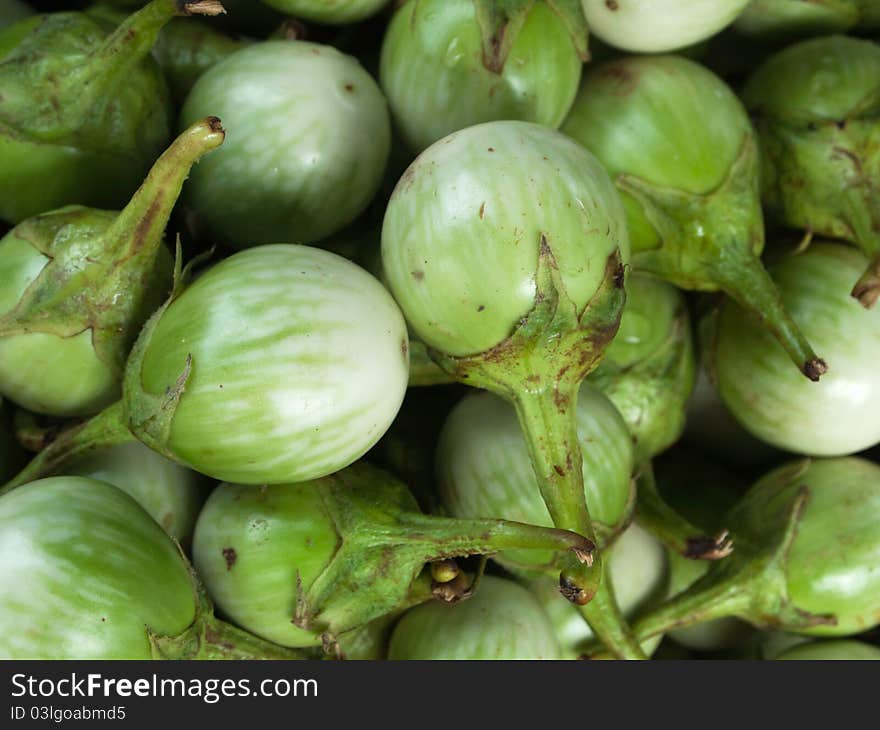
<point>709,548</point>
<point>815,368</point>
<point>202,7</point>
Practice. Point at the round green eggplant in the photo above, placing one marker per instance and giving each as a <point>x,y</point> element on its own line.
<point>88,574</point>
<point>463,231</point>
<point>310,140</point>
<point>505,245</point>
<point>304,564</point>
<point>816,106</point>
<point>168,492</point>
<point>483,469</point>
<point>502,620</point>
<point>648,370</point>
<point>284,363</point>
<point>682,150</point>
<point>830,418</point>
<point>438,79</point>
<point>655,26</point>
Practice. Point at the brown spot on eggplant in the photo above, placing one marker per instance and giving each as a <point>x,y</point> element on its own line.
<point>611,5</point>
<point>230,556</point>
<point>418,275</point>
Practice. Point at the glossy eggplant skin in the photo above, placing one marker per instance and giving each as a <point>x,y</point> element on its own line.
<point>840,414</point>
<point>460,245</point>
<point>501,621</point>
<point>437,82</point>
<point>832,565</point>
<point>171,494</point>
<point>87,574</point>
<point>298,364</point>
<point>311,140</point>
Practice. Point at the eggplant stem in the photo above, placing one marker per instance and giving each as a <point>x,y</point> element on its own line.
<point>744,279</point>
<point>673,530</point>
<point>101,431</point>
<point>867,288</point>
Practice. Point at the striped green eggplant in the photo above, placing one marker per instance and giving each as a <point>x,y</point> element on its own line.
<point>280,363</point>
<point>310,142</point>
<point>171,494</point>
<point>503,620</point>
<point>841,414</point>
<point>438,79</point>
<point>87,574</point>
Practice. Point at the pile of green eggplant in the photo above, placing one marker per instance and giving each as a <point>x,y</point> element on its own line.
<point>440,329</point>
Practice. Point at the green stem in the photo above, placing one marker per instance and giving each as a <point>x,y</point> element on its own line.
<point>715,595</point>
<point>104,430</point>
<point>422,369</point>
<point>718,594</point>
<point>547,418</point>
<point>130,43</point>
<point>608,624</point>
<point>137,231</point>
<point>671,528</point>
<point>743,277</point>
<point>447,537</point>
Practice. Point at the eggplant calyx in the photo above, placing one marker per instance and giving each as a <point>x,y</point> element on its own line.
<point>713,242</point>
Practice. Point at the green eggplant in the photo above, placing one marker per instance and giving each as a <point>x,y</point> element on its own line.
<point>84,113</point>
<point>77,285</point>
<point>304,564</point>
<point>87,574</point>
<point>684,155</point>
<point>816,106</point>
